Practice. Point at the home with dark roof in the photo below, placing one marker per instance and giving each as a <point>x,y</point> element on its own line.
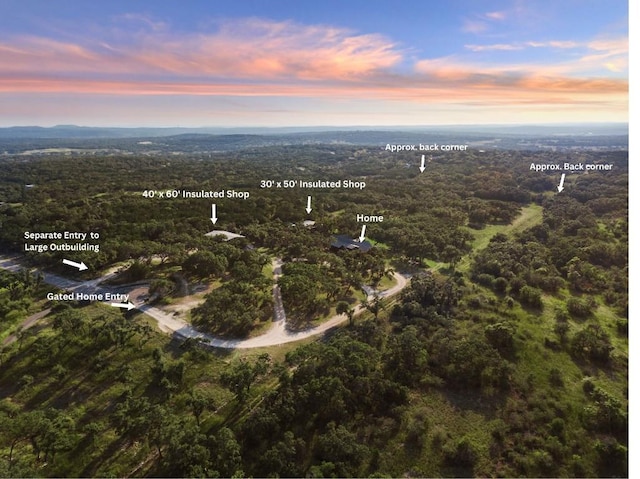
<point>348,243</point>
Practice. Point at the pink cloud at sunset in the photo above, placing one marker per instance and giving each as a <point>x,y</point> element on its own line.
<point>252,49</point>
<point>134,55</point>
<point>257,57</point>
<point>443,86</point>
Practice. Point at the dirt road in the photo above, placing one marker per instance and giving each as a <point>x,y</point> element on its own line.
<point>277,334</point>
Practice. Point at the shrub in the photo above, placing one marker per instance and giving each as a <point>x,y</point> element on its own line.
<point>555,378</point>
<point>416,432</point>
<point>485,280</point>
<point>500,285</point>
<point>592,343</point>
<point>463,454</point>
<point>531,296</point>
<point>515,285</point>
<point>612,458</point>
<point>500,336</point>
<point>579,308</point>
<point>551,284</point>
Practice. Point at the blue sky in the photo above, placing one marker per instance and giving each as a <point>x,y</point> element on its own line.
<point>283,63</point>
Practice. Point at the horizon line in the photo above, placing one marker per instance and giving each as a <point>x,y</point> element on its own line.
<point>320,126</point>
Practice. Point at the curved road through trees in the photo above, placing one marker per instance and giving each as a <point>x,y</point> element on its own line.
<point>277,334</point>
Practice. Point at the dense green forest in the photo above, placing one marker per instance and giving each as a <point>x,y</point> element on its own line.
<point>507,355</point>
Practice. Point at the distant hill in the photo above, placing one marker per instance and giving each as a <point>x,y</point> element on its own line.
<point>87,140</point>
<point>79,132</point>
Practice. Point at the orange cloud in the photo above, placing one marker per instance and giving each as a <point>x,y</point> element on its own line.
<point>592,59</point>
<point>248,49</point>
<point>519,83</point>
<point>254,57</point>
<point>612,54</point>
<point>460,88</point>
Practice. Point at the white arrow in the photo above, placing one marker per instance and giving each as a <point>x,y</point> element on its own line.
<point>129,305</point>
<point>308,204</point>
<point>561,185</point>
<point>214,217</point>
<point>422,168</point>
<point>81,266</point>
<point>364,228</point>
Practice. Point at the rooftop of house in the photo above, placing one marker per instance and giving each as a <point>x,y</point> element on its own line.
<point>346,242</point>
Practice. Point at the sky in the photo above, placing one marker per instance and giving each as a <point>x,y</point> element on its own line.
<point>312,63</point>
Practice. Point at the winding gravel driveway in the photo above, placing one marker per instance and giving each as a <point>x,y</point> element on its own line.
<point>277,334</point>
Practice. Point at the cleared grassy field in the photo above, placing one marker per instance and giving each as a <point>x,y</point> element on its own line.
<point>529,216</point>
